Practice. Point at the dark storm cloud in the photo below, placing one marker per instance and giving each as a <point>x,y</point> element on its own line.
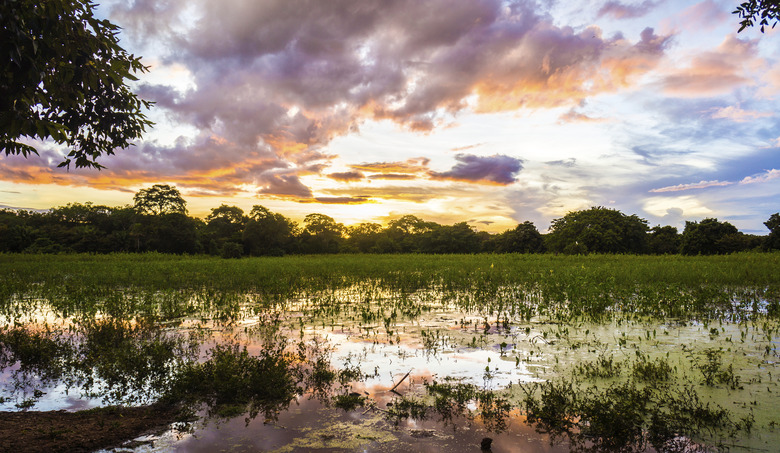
<point>496,169</point>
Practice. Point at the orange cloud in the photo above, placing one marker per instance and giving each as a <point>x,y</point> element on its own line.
<point>409,166</point>
<point>714,72</point>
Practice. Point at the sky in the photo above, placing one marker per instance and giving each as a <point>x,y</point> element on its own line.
<point>486,111</point>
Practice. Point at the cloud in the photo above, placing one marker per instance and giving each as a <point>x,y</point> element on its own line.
<point>393,176</point>
<point>714,72</point>
<point>496,169</point>
<point>697,185</point>
<point>270,84</point>
<point>739,115</point>
<point>414,194</point>
<point>467,147</point>
<point>618,10</point>
<point>409,166</point>
<point>568,163</point>
<point>771,81</point>
<point>340,200</point>
<point>761,177</point>
<point>572,116</point>
<point>285,185</point>
<point>703,16</point>
<point>346,176</point>
<point>287,76</point>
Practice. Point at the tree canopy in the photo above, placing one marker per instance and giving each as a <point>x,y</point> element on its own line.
<point>159,222</point>
<point>758,12</point>
<point>63,76</point>
<point>160,199</point>
<point>598,230</point>
<point>773,241</point>
<point>708,237</point>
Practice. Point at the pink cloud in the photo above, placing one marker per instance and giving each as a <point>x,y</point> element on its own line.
<point>762,177</point>
<point>618,10</point>
<point>714,72</point>
<point>704,15</point>
<point>273,82</point>
<point>697,185</point>
<point>573,116</point>
<point>739,115</point>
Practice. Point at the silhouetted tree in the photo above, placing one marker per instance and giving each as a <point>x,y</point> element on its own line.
<point>663,240</point>
<point>223,231</point>
<point>268,233</point>
<point>160,199</point>
<point>368,238</point>
<point>597,230</point>
<point>772,241</point>
<point>710,237</point>
<point>406,232</point>
<point>524,238</point>
<point>457,238</point>
<point>762,12</point>
<point>15,234</point>
<point>63,76</point>
<point>171,233</point>
<point>321,234</point>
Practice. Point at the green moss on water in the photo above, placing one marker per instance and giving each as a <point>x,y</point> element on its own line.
<point>620,330</point>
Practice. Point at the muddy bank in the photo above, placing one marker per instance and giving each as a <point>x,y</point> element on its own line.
<point>85,431</point>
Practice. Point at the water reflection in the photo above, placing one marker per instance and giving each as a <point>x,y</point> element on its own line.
<point>421,371</point>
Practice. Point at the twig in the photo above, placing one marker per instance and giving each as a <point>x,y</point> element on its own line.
<point>399,383</point>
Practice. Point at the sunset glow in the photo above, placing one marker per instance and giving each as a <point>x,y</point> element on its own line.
<point>492,112</point>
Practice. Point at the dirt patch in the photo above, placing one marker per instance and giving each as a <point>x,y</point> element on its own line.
<point>89,430</point>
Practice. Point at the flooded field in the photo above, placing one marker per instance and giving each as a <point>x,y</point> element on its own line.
<point>529,353</point>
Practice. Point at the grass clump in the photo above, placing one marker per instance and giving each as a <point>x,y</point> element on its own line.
<point>648,371</point>
<point>450,401</point>
<point>628,417</point>
<point>604,367</point>
<point>714,371</point>
<point>232,381</point>
<point>349,401</point>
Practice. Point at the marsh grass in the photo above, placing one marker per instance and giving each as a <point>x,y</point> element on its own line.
<point>241,336</point>
<point>628,417</point>
<point>232,382</point>
<point>453,401</point>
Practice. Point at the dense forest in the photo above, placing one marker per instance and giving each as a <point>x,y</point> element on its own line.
<point>158,221</point>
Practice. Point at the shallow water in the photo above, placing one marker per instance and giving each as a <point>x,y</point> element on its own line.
<point>404,342</point>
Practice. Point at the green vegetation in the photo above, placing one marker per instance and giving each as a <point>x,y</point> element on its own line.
<point>609,352</point>
<point>158,221</point>
<point>63,76</point>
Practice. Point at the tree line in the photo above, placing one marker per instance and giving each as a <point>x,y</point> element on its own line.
<point>158,221</point>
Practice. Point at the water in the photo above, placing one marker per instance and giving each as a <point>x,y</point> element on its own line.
<point>396,346</point>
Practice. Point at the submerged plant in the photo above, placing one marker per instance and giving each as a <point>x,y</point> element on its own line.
<point>713,370</point>
<point>453,400</point>
<point>628,417</point>
<point>232,381</point>
<point>655,371</point>
<point>603,367</point>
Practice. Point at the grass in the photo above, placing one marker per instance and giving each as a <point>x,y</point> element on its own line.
<point>166,287</point>
<point>630,350</point>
